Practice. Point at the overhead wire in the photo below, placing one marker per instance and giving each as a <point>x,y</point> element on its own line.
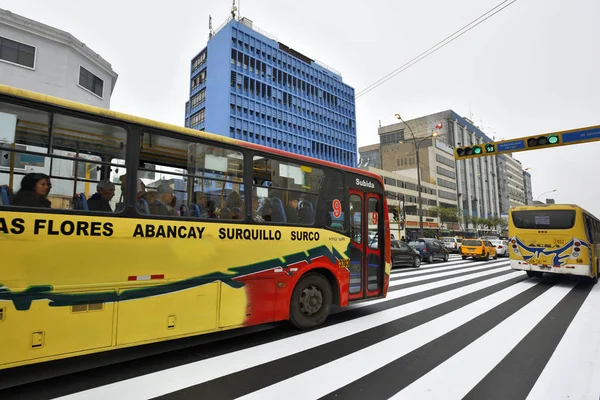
<point>449,39</point>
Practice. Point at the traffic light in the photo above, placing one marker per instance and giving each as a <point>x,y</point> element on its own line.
<point>474,151</point>
<point>490,148</point>
<point>395,215</point>
<point>543,140</point>
<point>535,142</point>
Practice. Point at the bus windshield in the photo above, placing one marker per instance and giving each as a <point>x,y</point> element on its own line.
<point>544,219</point>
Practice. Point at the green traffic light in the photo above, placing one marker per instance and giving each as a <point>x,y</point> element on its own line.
<point>552,139</point>
<point>489,148</point>
<point>476,150</point>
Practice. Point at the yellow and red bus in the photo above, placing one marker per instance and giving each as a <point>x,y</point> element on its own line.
<point>152,232</point>
<point>554,238</point>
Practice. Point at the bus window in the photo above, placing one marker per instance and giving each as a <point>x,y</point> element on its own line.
<point>285,192</point>
<point>356,217</point>
<point>79,158</point>
<point>544,219</point>
<point>188,179</point>
<point>85,154</point>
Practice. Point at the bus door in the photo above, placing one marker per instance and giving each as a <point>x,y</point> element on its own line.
<point>366,246</point>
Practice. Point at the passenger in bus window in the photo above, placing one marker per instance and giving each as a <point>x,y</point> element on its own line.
<point>202,202</point>
<point>234,200</point>
<point>291,209</point>
<point>162,204</point>
<point>34,191</point>
<point>255,204</point>
<point>100,201</point>
<point>210,204</point>
<point>236,213</point>
<point>225,213</point>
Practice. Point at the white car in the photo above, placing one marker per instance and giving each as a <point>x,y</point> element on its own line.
<point>452,243</point>
<point>501,247</point>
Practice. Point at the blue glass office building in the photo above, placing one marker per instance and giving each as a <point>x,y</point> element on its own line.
<point>248,86</point>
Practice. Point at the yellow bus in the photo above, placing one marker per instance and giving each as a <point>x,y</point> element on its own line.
<point>117,231</point>
<point>556,238</point>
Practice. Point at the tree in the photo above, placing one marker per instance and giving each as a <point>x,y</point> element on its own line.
<point>445,214</point>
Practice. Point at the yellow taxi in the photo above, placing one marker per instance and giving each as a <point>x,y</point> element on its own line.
<point>479,249</point>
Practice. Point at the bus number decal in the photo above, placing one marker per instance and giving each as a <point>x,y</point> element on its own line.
<point>345,263</point>
<point>337,208</point>
<point>374,218</point>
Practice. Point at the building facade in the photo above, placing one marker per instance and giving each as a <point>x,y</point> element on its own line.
<point>475,179</point>
<point>511,183</point>
<point>246,85</point>
<point>399,172</point>
<point>38,57</point>
<point>484,187</point>
<point>402,197</point>
<point>528,188</point>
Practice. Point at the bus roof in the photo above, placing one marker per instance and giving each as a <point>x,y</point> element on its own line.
<point>104,112</point>
<point>550,207</point>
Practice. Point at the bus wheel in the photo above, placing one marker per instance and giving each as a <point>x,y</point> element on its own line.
<point>311,301</point>
<point>530,274</point>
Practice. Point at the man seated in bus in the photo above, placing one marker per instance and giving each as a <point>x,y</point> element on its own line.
<point>100,201</point>
<point>291,208</point>
<point>163,203</point>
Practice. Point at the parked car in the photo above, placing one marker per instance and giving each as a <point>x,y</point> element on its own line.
<point>430,249</point>
<point>404,255</point>
<point>501,247</point>
<point>452,243</point>
<point>479,249</point>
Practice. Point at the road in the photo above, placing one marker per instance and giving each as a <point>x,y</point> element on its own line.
<point>454,330</point>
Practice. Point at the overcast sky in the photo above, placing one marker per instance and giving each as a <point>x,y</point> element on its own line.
<point>532,68</point>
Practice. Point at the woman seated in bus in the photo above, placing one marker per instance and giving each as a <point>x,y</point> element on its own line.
<point>34,191</point>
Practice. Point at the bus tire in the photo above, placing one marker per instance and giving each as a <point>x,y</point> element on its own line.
<point>530,274</point>
<point>464,257</point>
<point>311,301</point>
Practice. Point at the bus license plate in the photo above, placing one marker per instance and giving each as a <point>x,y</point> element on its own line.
<point>544,267</point>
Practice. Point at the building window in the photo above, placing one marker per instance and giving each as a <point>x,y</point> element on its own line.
<point>198,118</point>
<point>90,82</point>
<point>17,53</point>
<point>199,61</point>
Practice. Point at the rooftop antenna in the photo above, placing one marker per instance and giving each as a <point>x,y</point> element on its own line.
<point>233,9</point>
<point>210,29</point>
<point>380,123</point>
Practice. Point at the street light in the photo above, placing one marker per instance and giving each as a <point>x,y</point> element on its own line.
<point>434,134</point>
<point>549,191</point>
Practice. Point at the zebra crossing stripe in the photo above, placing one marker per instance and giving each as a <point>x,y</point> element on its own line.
<point>184,376</point>
<point>455,377</point>
<point>458,266</point>
<point>431,275</point>
<point>426,286</point>
<point>578,351</point>
<point>372,358</point>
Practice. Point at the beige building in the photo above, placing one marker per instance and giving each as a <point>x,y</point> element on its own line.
<point>402,197</point>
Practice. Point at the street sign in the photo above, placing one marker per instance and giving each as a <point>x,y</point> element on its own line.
<point>536,142</point>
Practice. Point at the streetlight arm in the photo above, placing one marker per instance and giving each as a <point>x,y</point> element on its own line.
<point>549,191</point>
